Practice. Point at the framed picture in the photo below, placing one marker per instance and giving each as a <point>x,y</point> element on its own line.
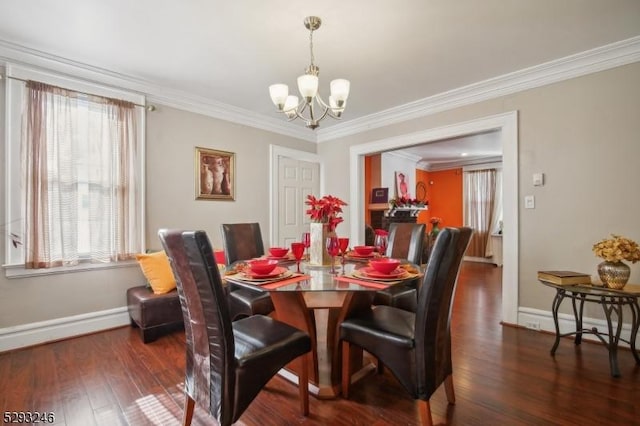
<point>402,185</point>
<point>215,174</point>
<point>380,195</point>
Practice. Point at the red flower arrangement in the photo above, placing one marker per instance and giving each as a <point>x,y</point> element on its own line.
<point>325,210</point>
<point>435,220</point>
<point>406,202</point>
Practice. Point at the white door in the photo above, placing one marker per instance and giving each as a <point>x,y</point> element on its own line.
<point>296,180</point>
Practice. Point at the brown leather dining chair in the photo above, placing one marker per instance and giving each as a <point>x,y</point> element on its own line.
<point>415,347</point>
<point>405,242</point>
<point>243,241</point>
<point>228,363</point>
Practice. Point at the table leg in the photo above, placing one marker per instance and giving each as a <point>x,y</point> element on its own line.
<point>578,317</point>
<point>609,307</point>
<point>554,309</point>
<point>635,325</point>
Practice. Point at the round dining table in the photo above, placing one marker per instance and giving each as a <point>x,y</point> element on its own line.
<point>316,301</point>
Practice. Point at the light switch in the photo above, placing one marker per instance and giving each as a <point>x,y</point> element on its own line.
<point>529,202</point>
<point>538,179</point>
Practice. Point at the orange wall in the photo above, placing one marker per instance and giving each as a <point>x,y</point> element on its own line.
<point>444,192</point>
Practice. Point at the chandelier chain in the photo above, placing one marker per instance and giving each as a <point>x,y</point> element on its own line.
<point>311,47</point>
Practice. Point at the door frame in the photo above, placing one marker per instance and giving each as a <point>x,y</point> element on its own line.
<point>276,151</point>
<point>507,125</point>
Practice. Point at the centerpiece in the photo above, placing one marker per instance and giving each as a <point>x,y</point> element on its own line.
<point>613,272</point>
<point>435,225</point>
<point>325,216</point>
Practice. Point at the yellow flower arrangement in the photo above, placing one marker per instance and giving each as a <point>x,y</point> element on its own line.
<point>617,249</point>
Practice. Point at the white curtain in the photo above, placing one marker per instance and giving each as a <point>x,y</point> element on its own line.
<point>479,200</point>
<point>81,187</point>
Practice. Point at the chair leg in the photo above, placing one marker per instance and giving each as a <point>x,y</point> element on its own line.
<point>189,405</point>
<point>425,413</point>
<point>346,368</point>
<point>448,388</point>
<point>303,385</point>
<point>379,366</point>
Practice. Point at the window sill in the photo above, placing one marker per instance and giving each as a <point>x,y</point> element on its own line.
<point>18,271</point>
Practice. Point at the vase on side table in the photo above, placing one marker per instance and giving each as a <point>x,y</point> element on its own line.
<point>318,254</point>
<point>614,274</point>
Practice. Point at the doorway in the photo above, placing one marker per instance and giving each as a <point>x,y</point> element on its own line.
<point>507,125</point>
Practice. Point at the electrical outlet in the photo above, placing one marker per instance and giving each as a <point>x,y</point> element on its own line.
<point>532,325</point>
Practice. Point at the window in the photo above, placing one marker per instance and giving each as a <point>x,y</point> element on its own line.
<point>77,161</point>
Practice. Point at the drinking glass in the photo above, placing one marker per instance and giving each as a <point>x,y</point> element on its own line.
<point>381,244</point>
<point>344,245</point>
<point>298,251</point>
<point>306,240</point>
<point>333,248</point>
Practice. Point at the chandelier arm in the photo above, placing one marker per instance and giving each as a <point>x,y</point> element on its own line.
<point>327,109</point>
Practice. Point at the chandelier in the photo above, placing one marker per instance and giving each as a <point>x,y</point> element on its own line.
<point>316,108</point>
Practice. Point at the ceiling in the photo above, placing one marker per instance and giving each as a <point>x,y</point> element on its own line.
<point>394,53</point>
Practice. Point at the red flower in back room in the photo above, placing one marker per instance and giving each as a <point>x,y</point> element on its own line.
<point>435,220</point>
<point>325,210</point>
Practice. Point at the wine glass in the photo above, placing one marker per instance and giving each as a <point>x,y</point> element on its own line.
<point>306,240</point>
<point>381,244</point>
<point>298,251</point>
<point>344,245</point>
<point>333,248</point>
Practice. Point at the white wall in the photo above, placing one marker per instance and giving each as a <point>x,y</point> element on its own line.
<point>390,163</point>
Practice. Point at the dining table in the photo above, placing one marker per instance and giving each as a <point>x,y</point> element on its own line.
<point>316,299</point>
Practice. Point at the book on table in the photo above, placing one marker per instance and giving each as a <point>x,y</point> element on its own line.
<point>564,277</point>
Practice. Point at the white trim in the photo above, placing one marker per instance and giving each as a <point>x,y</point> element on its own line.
<point>567,324</point>
<point>24,335</point>
<point>276,151</point>
<point>599,59</point>
<point>507,124</point>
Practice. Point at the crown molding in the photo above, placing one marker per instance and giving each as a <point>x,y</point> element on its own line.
<point>24,56</point>
<point>599,59</point>
<point>435,167</point>
<point>404,155</point>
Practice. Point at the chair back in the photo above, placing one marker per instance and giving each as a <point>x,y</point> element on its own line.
<point>405,241</point>
<point>210,346</point>
<point>241,241</point>
<point>433,314</point>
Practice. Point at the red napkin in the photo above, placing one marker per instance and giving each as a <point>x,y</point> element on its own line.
<point>277,284</point>
<point>363,283</point>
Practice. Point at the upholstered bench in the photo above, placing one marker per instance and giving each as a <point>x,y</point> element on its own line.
<point>154,314</point>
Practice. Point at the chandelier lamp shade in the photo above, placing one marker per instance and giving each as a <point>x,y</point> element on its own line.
<point>312,108</point>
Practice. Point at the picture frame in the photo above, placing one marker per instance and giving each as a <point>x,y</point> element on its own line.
<point>379,195</point>
<point>402,185</point>
<point>215,174</point>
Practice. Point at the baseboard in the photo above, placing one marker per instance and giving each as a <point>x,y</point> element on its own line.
<point>36,333</point>
<point>539,320</point>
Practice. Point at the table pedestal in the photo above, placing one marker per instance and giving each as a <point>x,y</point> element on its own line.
<point>301,310</point>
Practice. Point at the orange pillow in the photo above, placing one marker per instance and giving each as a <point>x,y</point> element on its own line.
<point>157,271</point>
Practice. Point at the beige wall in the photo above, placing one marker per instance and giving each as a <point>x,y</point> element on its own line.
<point>172,136</point>
<point>583,134</point>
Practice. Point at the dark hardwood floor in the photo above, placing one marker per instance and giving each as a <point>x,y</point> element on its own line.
<point>502,376</point>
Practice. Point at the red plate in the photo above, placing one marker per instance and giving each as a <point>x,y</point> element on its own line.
<point>277,271</point>
<point>362,256</point>
<point>369,271</point>
<point>285,257</point>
